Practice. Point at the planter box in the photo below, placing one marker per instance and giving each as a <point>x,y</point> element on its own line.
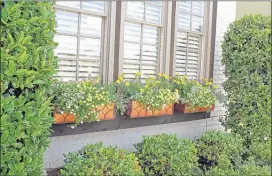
<point>105,112</point>
<point>185,108</point>
<point>136,110</point>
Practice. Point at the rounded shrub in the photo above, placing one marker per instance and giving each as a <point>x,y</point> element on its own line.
<point>248,168</point>
<point>214,144</point>
<point>261,152</point>
<point>166,155</point>
<point>96,159</point>
<point>247,60</point>
<point>27,64</point>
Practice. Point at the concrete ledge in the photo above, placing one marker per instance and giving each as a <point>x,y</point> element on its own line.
<point>124,122</point>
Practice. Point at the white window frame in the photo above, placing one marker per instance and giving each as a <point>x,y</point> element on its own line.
<point>163,39</point>
<point>107,37</point>
<point>205,47</point>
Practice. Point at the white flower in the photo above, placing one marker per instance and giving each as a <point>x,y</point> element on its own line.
<point>265,138</point>
<point>72,127</point>
<point>61,112</point>
<point>229,131</point>
<point>241,124</point>
<point>81,122</point>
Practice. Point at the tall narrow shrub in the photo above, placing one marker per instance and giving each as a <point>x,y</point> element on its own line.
<point>247,60</point>
<point>27,64</point>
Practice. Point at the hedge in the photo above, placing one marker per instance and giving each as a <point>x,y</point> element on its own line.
<point>96,159</point>
<point>247,60</point>
<point>166,155</point>
<point>27,64</point>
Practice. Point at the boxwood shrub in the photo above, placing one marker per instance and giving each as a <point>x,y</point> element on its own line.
<point>214,144</point>
<point>96,159</point>
<point>27,64</point>
<point>247,60</point>
<point>166,155</point>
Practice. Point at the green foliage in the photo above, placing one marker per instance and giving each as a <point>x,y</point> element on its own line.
<point>213,144</point>
<point>166,155</point>
<point>194,93</point>
<point>27,64</point>
<point>248,168</point>
<point>82,98</point>
<point>97,159</point>
<point>261,152</point>
<point>153,94</point>
<point>247,60</point>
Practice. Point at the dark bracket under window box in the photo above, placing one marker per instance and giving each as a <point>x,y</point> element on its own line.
<point>123,122</point>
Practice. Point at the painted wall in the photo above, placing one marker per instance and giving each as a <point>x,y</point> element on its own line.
<point>252,7</point>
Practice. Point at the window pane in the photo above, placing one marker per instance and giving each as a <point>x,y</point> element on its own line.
<point>198,8</point>
<point>130,70</point>
<point>135,10</point>
<point>184,21</point>
<point>91,25</point>
<point>66,70</point>
<point>197,24</point>
<point>148,70</point>
<point>150,54</point>
<point>185,6</point>
<point>67,26</point>
<point>96,6</point>
<point>89,48</point>
<point>193,42</point>
<point>132,32</point>
<point>150,35</point>
<point>153,13</point>
<point>182,40</point>
<point>88,69</point>
<point>67,48</point>
<point>73,4</point>
<point>131,52</point>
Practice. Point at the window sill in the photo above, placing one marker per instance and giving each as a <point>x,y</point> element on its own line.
<point>123,122</point>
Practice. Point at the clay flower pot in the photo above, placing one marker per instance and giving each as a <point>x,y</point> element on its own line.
<point>185,108</point>
<point>137,110</point>
<point>105,112</point>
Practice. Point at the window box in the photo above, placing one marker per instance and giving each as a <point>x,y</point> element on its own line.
<point>106,112</point>
<point>185,108</point>
<point>136,110</point>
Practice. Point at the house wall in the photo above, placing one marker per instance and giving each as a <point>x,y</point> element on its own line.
<point>249,7</point>
<point>125,138</point>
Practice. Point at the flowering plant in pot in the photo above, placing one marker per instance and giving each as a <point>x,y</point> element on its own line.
<point>83,101</point>
<point>194,96</point>
<point>147,97</point>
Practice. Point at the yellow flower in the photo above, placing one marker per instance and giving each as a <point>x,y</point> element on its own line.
<point>176,90</point>
<point>141,90</point>
<point>138,74</point>
<point>118,81</point>
<point>215,86</point>
<point>159,74</point>
<point>120,78</point>
<point>127,84</point>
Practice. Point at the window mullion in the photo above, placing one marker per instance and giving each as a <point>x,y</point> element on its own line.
<point>187,43</point>
<point>141,48</point>
<point>78,43</point>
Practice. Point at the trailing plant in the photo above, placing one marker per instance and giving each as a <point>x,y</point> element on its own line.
<point>83,98</point>
<point>153,94</point>
<point>194,93</point>
<point>247,60</point>
<point>96,159</point>
<point>213,144</point>
<point>166,155</point>
<point>27,65</point>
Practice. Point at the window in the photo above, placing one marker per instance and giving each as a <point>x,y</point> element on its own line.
<point>190,36</point>
<point>142,38</point>
<point>81,34</point>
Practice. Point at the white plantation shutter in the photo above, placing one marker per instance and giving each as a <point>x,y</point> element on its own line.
<point>189,41</point>
<point>142,36</point>
<point>79,34</point>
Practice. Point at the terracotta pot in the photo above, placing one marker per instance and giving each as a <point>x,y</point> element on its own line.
<point>179,107</point>
<point>105,112</point>
<point>137,110</point>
